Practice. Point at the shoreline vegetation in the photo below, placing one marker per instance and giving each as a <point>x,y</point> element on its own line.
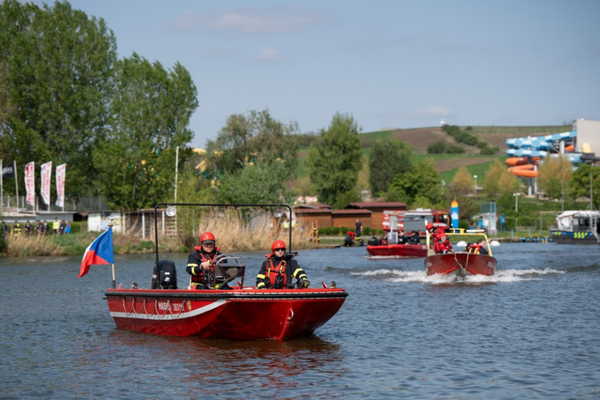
<point>232,236</point>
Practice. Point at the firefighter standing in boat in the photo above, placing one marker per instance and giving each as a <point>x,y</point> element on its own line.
<point>201,260</point>
<point>279,270</point>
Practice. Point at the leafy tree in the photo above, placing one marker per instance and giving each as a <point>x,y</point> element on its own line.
<point>462,185</point>
<point>436,148</point>
<point>553,174</point>
<point>388,158</point>
<point>498,181</point>
<point>59,79</point>
<point>255,184</point>
<point>491,181</point>
<point>579,184</point>
<point>422,185</point>
<point>151,108</point>
<point>254,138</point>
<point>508,183</point>
<point>334,161</point>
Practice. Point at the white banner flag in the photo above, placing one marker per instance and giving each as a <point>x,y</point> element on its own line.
<point>46,177</point>
<point>60,184</point>
<point>30,183</point>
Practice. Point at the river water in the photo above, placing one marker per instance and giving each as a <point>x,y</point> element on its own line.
<point>532,331</point>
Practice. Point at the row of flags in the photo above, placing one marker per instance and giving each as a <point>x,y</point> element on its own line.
<point>10,171</point>
<point>101,250</point>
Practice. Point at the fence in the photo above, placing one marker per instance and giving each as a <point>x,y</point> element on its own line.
<point>81,204</point>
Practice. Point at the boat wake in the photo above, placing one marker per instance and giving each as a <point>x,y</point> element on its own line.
<point>501,276</point>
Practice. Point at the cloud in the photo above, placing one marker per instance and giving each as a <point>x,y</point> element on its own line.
<point>269,54</point>
<point>245,20</point>
<point>431,112</point>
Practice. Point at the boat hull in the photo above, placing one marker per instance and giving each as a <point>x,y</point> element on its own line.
<point>242,314</point>
<point>569,237</point>
<point>460,264</point>
<point>398,250</point>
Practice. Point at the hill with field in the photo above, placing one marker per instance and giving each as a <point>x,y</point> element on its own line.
<point>419,139</point>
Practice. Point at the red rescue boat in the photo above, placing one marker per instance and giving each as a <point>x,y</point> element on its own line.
<point>241,313</point>
<point>462,263</point>
<point>398,250</point>
<point>237,312</point>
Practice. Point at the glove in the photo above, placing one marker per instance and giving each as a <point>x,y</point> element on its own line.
<point>303,283</point>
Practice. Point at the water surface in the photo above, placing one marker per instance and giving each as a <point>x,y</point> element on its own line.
<point>531,331</point>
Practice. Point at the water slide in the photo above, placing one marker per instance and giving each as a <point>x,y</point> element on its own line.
<point>527,152</point>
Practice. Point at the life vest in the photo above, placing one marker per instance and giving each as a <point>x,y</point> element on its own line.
<point>475,248</point>
<point>200,277</point>
<point>273,271</point>
<point>17,230</point>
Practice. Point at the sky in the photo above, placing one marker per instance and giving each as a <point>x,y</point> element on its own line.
<point>389,64</point>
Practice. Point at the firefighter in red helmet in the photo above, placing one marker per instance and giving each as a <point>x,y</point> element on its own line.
<point>200,260</point>
<point>280,269</point>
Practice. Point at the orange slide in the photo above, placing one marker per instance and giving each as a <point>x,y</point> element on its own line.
<point>523,171</point>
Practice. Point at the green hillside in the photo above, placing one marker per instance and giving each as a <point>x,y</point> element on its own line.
<point>447,164</point>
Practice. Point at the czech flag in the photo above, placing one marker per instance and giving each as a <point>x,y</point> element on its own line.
<point>97,253</point>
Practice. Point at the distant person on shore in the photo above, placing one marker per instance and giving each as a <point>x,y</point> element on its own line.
<point>62,227</point>
<point>17,229</point>
<point>28,228</point>
<point>200,261</point>
<point>45,229</point>
<point>55,226</point>
<point>358,226</point>
<point>280,269</point>
<point>68,228</point>
<point>349,239</point>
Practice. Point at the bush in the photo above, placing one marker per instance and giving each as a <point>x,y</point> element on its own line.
<point>470,140</point>
<point>367,231</point>
<point>345,230</point>
<point>436,148</point>
<point>455,149</point>
<point>488,151</point>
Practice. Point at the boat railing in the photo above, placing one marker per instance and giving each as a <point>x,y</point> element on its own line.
<point>593,228</point>
<point>462,232</point>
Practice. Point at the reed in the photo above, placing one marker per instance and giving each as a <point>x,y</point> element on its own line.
<point>23,246</point>
<point>231,230</point>
<point>233,233</point>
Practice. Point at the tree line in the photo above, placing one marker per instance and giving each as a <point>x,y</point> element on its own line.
<point>66,97</point>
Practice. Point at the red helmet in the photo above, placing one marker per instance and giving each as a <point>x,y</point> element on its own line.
<point>429,226</point>
<point>278,244</point>
<point>207,236</point>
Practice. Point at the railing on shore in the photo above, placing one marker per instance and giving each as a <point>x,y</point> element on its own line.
<point>14,204</point>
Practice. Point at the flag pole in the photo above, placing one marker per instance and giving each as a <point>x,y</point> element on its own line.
<point>110,225</point>
<point>16,184</point>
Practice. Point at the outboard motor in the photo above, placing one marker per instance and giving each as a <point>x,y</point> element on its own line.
<point>164,275</point>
